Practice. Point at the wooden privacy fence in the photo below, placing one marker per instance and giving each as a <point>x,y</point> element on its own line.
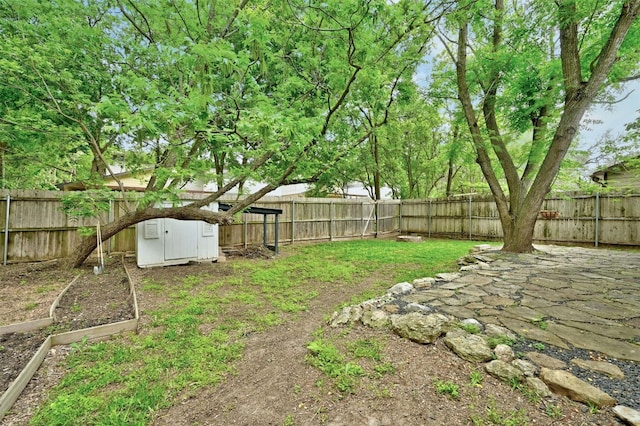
<point>567,218</point>
<point>314,219</point>
<point>35,228</point>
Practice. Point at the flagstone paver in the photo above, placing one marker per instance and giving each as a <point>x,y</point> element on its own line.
<point>561,296</point>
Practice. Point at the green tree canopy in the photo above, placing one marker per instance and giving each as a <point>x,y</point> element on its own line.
<point>273,91</point>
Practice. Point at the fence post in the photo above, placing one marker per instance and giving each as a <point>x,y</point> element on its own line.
<point>470,217</point>
<point>293,220</point>
<point>362,221</point>
<point>275,237</point>
<point>429,220</point>
<point>377,222</point>
<point>244,231</point>
<point>400,217</point>
<point>6,231</point>
<point>331,220</point>
<point>597,218</point>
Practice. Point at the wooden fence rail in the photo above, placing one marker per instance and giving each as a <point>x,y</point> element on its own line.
<point>34,227</point>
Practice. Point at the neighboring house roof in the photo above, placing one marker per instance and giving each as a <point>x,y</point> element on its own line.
<point>137,181</point>
<point>130,181</point>
<point>624,174</point>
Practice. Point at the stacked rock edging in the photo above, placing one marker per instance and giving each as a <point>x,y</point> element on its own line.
<point>413,313</point>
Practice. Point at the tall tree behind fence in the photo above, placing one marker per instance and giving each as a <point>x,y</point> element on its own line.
<point>35,228</point>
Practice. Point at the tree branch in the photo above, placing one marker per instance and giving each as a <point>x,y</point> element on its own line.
<point>465,99</point>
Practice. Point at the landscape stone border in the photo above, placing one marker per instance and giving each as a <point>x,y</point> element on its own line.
<point>422,323</point>
<point>10,396</point>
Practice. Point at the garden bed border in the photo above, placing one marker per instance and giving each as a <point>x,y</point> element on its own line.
<point>10,396</point>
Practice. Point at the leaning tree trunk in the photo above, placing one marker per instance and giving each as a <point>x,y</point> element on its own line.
<point>89,244</point>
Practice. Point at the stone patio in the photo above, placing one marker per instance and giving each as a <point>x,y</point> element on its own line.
<point>562,296</point>
<point>573,302</point>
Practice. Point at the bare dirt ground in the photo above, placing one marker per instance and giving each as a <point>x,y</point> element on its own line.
<point>273,383</point>
<point>91,300</point>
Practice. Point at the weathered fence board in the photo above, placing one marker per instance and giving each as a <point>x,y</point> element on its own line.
<point>39,230</point>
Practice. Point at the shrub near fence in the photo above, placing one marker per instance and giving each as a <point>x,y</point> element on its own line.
<point>35,228</point>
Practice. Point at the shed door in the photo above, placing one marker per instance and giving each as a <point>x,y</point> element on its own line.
<point>180,239</point>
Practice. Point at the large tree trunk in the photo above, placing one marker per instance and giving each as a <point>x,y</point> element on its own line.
<point>518,233</point>
<point>518,208</point>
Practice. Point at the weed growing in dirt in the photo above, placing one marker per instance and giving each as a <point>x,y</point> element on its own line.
<point>46,289</point>
<point>149,284</point>
<point>366,348</point>
<point>532,395</point>
<point>30,306</point>
<point>328,359</point>
<point>514,382</point>
<point>553,411</point>
<point>476,378</point>
<point>382,369</point>
<point>341,365</point>
<point>289,420</point>
<point>494,415</point>
<point>447,388</point>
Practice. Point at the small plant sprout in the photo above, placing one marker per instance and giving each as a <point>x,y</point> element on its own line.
<point>494,341</point>
<point>289,420</point>
<point>514,382</point>
<point>447,388</point>
<point>539,346</point>
<point>540,322</point>
<point>497,416</point>
<point>475,378</point>
<point>470,328</point>
<point>553,411</point>
<point>532,395</point>
<point>30,306</point>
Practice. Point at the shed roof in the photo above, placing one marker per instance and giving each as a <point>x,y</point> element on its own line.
<point>254,210</point>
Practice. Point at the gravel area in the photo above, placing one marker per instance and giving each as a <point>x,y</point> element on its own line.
<point>626,391</point>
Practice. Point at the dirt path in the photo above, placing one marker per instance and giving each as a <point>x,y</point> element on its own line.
<point>274,385</point>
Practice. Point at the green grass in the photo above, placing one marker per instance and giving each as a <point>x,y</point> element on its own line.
<point>194,338</point>
<point>344,367</point>
<point>327,358</point>
<point>30,306</point>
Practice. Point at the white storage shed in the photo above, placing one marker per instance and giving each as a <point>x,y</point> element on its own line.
<point>163,242</point>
